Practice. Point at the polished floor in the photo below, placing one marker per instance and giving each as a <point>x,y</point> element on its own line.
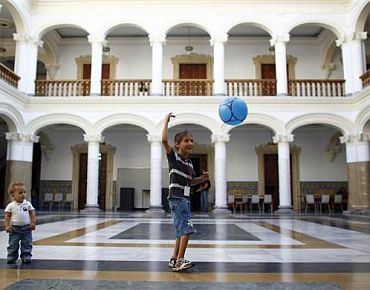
<point>236,252</point>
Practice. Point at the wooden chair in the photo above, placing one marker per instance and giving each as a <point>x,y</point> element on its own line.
<point>310,201</point>
<point>242,203</point>
<point>325,200</point>
<point>48,198</point>
<point>58,200</point>
<point>338,201</point>
<point>267,200</point>
<point>231,202</point>
<point>255,201</point>
<point>68,201</point>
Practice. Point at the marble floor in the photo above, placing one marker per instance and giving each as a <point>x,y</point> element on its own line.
<point>326,251</point>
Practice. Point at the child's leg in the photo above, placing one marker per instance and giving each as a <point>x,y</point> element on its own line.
<point>176,248</point>
<point>26,244</point>
<point>13,247</point>
<point>183,245</point>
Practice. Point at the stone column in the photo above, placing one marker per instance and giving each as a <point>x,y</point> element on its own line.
<point>220,174</point>
<point>157,64</point>
<point>92,186</point>
<point>280,64</point>
<point>19,160</point>
<point>97,44</point>
<point>219,65</point>
<point>353,60</point>
<point>25,64</point>
<point>358,168</point>
<point>155,174</point>
<point>285,199</point>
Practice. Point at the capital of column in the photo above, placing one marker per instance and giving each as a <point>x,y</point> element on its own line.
<point>283,138</point>
<point>362,35</point>
<point>157,39</point>
<point>154,138</point>
<point>52,69</point>
<point>355,138</point>
<point>22,37</point>
<point>96,39</point>
<point>14,136</point>
<point>220,138</point>
<point>94,138</point>
<point>279,38</point>
<point>219,39</point>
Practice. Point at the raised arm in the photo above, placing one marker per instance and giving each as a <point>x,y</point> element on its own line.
<point>166,144</point>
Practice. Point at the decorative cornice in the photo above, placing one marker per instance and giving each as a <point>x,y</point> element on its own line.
<point>22,37</point>
<point>93,138</point>
<point>14,136</point>
<point>279,38</point>
<point>154,138</point>
<point>354,138</point>
<point>220,138</point>
<point>283,138</point>
<point>157,39</point>
<point>96,39</point>
<point>219,39</point>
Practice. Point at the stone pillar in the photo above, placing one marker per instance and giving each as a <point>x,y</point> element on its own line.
<point>97,44</point>
<point>19,160</point>
<point>285,198</point>
<point>157,64</point>
<point>25,64</point>
<point>52,69</point>
<point>155,174</point>
<point>280,64</point>
<point>220,174</point>
<point>92,186</point>
<point>358,169</point>
<point>219,65</point>
<point>353,60</point>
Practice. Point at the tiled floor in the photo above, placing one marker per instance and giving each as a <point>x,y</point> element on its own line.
<point>240,249</point>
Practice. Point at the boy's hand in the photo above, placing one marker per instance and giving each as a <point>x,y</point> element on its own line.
<point>8,229</point>
<point>168,117</point>
<point>205,175</point>
<point>32,226</point>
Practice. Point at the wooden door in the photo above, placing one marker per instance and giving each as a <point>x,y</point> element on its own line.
<point>193,71</point>
<point>268,71</point>
<point>105,71</point>
<point>272,178</point>
<point>82,181</point>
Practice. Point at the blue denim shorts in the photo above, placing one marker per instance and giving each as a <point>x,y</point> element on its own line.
<point>180,209</point>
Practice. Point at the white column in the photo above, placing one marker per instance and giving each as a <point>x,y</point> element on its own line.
<point>220,172</point>
<point>281,64</point>
<point>97,44</point>
<point>357,147</point>
<point>219,65</point>
<point>92,187</point>
<point>285,199</point>
<point>155,171</point>
<point>25,65</point>
<point>19,159</point>
<point>353,60</point>
<point>157,64</point>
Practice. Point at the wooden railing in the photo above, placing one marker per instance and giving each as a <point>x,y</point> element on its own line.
<point>188,87</point>
<point>316,88</point>
<point>63,88</point>
<point>263,87</point>
<point>126,87</point>
<point>365,78</point>
<point>8,76</point>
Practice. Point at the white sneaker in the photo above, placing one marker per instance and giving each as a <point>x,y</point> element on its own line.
<point>172,262</point>
<point>182,265</point>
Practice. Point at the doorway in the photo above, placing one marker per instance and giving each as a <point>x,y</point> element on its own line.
<point>105,74</point>
<point>272,178</point>
<point>193,72</point>
<point>36,175</point>
<point>199,164</point>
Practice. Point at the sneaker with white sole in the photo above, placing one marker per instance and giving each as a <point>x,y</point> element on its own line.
<point>182,265</point>
<point>172,262</point>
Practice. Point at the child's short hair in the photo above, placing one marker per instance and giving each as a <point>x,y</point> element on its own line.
<point>181,135</point>
<point>14,185</point>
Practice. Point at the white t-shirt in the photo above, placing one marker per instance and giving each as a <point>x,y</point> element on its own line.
<point>20,212</point>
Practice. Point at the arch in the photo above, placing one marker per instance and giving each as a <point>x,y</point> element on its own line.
<point>53,119</point>
<point>192,118</point>
<point>361,16</point>
<point>114,25</point>
<point>19,16</point>
<point>260,119</point>
<point>362,119</point>
<point>342,124</point>
<point>12,117</point>
<point>171,26</point>
<point>121,118</point>
<point>236,22</point>
<point>46,27</point>
<point>334,27</point>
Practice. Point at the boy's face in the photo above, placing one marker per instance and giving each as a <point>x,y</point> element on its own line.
<point>19,194</point>
<point>186,145</point>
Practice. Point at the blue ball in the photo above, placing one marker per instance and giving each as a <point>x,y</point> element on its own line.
<point>233,111</point>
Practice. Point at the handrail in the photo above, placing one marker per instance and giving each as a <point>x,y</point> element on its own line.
<point>365,78</point>
<point>316,88</point>
<point>250,87</point>
<point>62,88</point>
<point>188,87</point>
<point>8,76</point>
